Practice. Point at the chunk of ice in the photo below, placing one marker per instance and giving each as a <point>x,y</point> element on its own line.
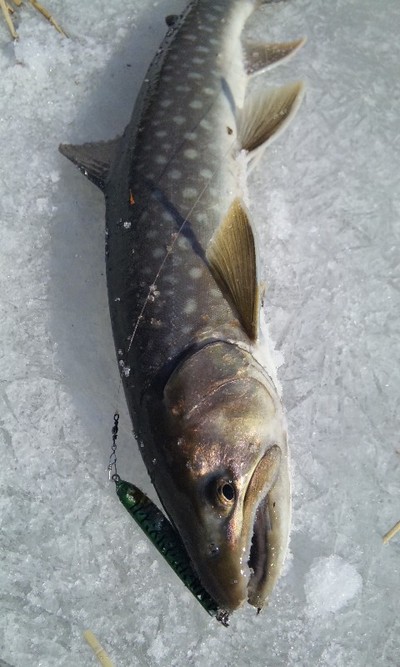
<point>330,584</point>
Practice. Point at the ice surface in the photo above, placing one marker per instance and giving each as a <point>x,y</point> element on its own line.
<point>330,584</point>
<point>326,197</point>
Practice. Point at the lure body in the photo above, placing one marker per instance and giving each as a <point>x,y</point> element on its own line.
<point>167,541</point>
<point>185,297</point>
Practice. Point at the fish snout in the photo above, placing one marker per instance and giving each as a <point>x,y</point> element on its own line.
<point>225,575</point>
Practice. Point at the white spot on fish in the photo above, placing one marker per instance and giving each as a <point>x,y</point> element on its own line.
<point>189,37</point>
<point>190,136</point>
<point>196,104</point>
<point>127,224</point>
<point>161,133</point>
<point>208,91</point>
<point>166,146</point>
<point>190,153</point>
<point>158,253</point>
<point>179,120</point>
<point>197,61</point>
<point>202,49</point>
<point>195,272</point>
<point>201,217</point>
<point>190,306</point>
<point>183,243</point>
<point>206,173</point>
<point>205,124</point>
<point>170,279</point>
<point>167,216</point>
<point>182,89</point>
<point>164,104</point>
<point>175,174</point>
<point>189,193</point>
<point>195,75</point>
<point>161,159</point>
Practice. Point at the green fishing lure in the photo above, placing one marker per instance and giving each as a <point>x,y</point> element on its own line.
<point>167,541</point>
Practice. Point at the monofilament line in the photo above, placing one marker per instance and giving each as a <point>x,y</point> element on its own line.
<point>170,248</point>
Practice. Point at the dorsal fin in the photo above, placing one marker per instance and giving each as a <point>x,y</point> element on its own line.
<point>232,258</point>
<point>259,56</point>
<point>265,115</point>
<point>93,159</point>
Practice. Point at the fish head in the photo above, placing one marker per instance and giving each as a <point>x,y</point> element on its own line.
<point>224,479</point>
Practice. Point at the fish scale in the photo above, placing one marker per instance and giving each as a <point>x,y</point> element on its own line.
<point>185,298</point>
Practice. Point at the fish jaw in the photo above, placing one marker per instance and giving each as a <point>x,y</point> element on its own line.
<point>224,452</point>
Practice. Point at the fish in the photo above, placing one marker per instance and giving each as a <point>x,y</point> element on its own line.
<point>186,298</point>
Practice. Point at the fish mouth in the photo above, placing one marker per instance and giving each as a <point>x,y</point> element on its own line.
<point>258,556</point>
<point>257,508</point>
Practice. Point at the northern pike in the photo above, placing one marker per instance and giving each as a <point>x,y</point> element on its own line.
<point>185,295</point>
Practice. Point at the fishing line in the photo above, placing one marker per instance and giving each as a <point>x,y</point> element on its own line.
<point>152,291</point>
<point>174,238</point>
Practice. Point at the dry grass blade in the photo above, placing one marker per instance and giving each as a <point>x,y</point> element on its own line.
<point>391,533</point>
<point>7,10</point>
<point>6,13</point>
<point>47,16</point>
<point>97,649</point>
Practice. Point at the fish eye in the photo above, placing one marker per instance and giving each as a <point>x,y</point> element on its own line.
<point>225,492</point>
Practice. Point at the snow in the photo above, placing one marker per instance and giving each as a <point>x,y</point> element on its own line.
<point>330,584</point>
<point>326,196</point>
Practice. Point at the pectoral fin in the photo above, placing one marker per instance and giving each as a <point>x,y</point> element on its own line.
<point>259,57</point>
<point>232,258</point>
<point>93,159</point>
<point>265,115</point>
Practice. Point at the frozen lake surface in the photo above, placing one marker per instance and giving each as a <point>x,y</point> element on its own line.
<point>326,201</point>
